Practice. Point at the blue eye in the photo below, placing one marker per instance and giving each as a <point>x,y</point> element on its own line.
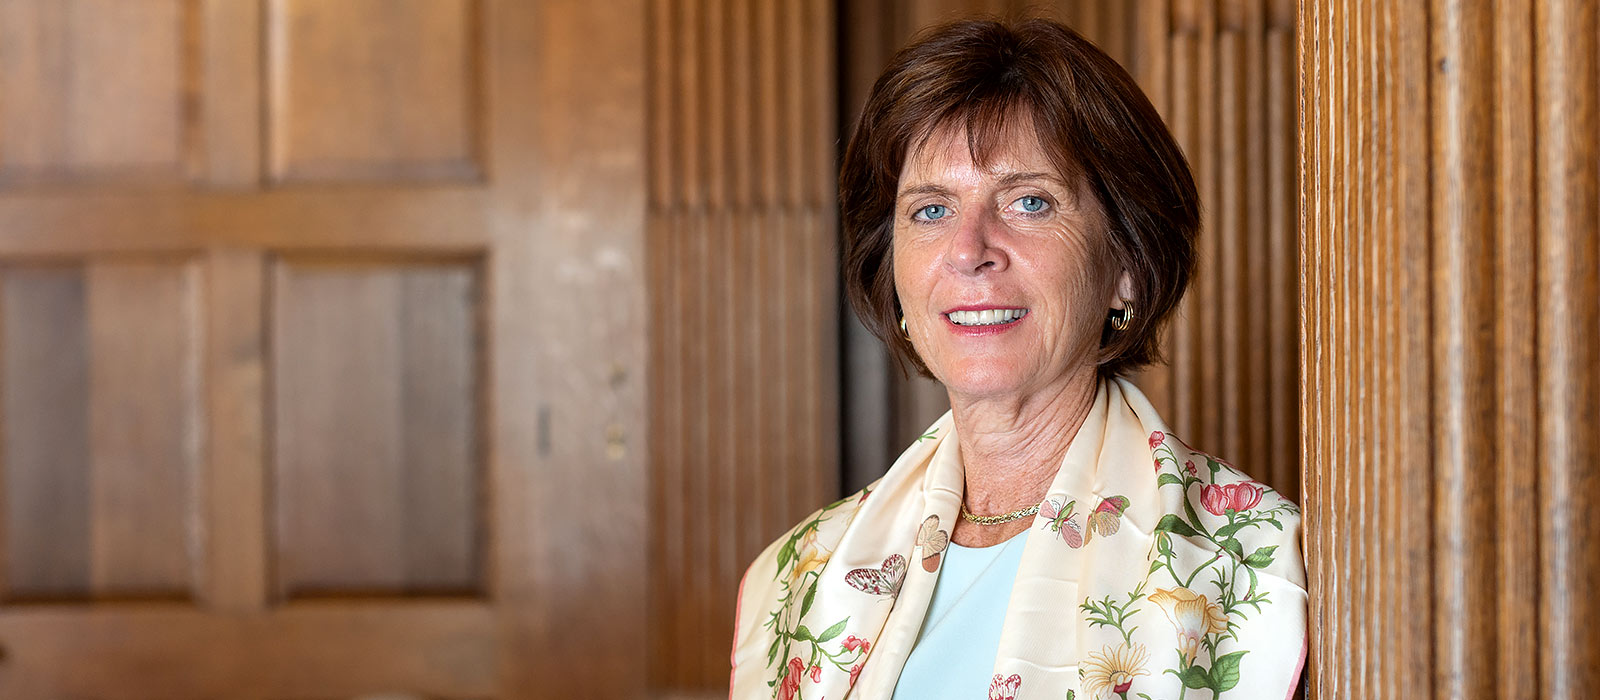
<point>931,212</point>
<point>1031,204</point>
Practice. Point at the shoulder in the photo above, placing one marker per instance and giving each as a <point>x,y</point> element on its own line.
<point>1226,570</point>
<point>788,567</point>
<point>1213,505</point>
<point>807,545</point>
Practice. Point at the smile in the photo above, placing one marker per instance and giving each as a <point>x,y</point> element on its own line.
<point>986,317</point>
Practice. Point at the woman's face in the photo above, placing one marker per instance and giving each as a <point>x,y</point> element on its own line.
<point>999,268</point>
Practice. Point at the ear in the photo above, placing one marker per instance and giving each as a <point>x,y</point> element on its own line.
<point>1124,290</point>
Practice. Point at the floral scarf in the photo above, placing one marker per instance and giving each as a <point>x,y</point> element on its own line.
<point>1156,571</point>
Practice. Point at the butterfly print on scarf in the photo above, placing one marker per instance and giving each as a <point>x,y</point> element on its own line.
<point>1058,518</point>
<point>1005,688</point>
<point>933,542</point>
<point>1104,521</point>
<point>884,580</point>
<point>1107,517</point>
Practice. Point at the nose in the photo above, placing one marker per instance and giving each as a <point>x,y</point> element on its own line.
<point>972,250</point>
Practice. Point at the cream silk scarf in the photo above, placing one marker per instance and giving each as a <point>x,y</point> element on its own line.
<point>1154,571</point>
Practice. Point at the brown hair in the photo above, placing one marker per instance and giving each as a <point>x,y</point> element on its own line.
<point>1091,118</point>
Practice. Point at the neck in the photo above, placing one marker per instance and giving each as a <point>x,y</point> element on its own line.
<point>1012,447</point>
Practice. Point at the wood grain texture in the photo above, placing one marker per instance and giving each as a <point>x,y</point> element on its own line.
<point>335,72</point>
<point>1449,176</point>
<point>236,494</point>
<point>376,472</point>
<point>44,418</point>
<point>742,254</point>
<point>92,91</point>
<point>1516,486</point>
<point>1464,388</point>
<point>229,58</point>
<point>435,649</point>
<point>570,163</point>
<point>144,427</point>
<point>1568,331</point>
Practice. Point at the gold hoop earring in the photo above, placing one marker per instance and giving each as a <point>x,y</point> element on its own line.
<point>1119,321</point>
<point>903,331</point>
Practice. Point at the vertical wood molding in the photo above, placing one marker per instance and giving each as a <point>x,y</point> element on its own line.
<point>1568,332</point>
<point>1450,313</point>
<point>743,409</point>
<point>1462,236</point>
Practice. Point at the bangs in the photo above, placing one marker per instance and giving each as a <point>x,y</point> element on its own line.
<point>995,118</point>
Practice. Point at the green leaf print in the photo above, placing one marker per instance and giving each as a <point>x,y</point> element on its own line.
<point>833,631</point>
<point>1225,671</point>
<point>1193,677</point>
<point>1261,558</point>
<point>1175,525</point>
<point>805,605</point>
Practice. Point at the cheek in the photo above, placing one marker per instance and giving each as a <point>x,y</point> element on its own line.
<point>911,278</point>
<point>1079,298</point>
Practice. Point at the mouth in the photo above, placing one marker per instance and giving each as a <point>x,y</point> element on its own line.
<point>985,317</point>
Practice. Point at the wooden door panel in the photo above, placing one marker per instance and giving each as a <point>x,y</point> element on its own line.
<point>44,430</point>
<point>376,473</point>
<point>101,420</point>
<point>92,89</point>
<point>144,427</point>
<point>337,70</point>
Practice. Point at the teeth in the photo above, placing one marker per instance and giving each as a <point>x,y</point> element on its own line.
<point>986,317</point>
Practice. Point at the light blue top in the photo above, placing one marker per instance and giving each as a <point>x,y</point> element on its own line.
<point>955,650</point>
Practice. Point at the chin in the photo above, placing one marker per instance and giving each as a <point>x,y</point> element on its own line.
<point>986,377</point>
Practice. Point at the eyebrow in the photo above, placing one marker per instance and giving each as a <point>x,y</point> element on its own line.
<point>1014,178</point>
<point>1005,180</point>
<point>921,189</point>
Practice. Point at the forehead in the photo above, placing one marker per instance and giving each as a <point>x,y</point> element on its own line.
<point>1009,146</point>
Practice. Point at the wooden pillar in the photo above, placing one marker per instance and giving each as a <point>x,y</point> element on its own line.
<point>1450,327</point>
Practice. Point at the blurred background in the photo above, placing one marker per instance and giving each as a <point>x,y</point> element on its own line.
<point>470,349</point>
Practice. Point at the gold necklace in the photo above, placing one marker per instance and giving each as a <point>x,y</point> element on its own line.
<point>998,519</point>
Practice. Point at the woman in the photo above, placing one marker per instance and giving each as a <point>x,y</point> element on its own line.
<point>1019,225</point>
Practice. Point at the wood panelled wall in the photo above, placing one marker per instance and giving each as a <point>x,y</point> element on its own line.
<point>1222,73</point>
<point>1452,327</point>
<point>743,271</point>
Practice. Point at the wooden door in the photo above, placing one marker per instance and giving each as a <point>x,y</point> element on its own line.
<point>321,348</point>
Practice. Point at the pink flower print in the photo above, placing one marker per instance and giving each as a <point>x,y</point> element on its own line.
<point>1246,496</point>
<point>1188,466</point>
<point>791,681</point>
<point>1005,688</point>
<point>852,643</point>
<point>815,673</point>
<point>1219,499</point>
<point>1156,438</point>
<point>855,672</point>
